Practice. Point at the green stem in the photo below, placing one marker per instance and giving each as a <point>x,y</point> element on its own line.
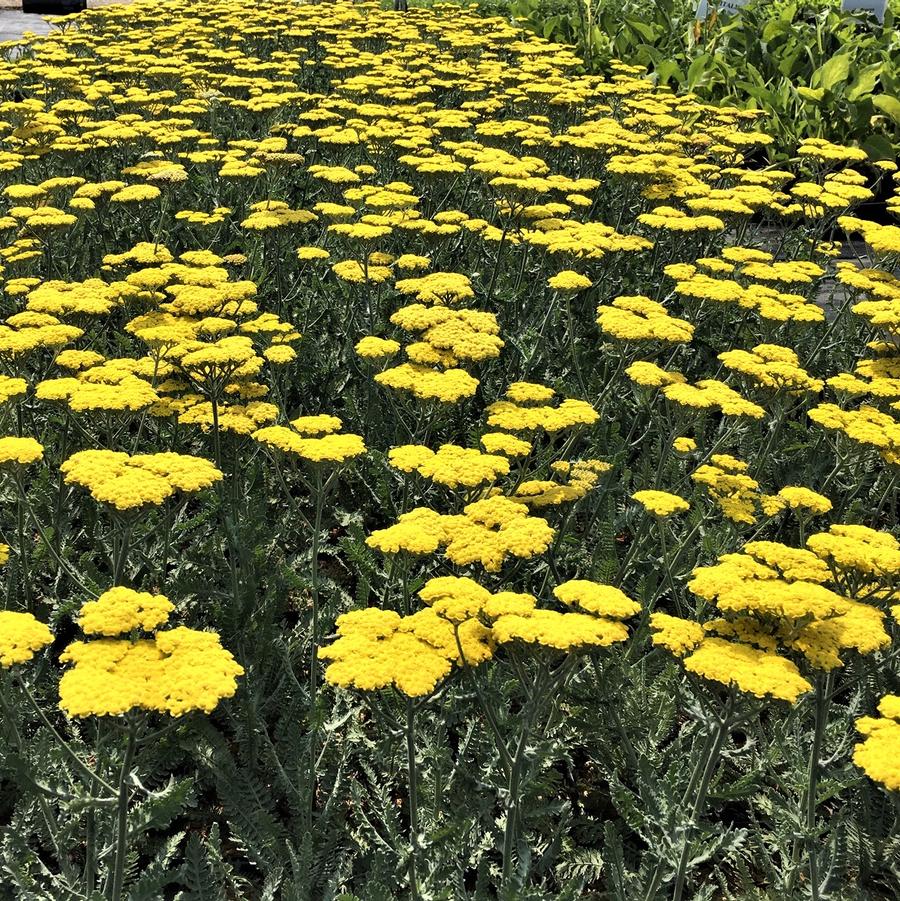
<point>121,545</point>
<point>511,829</point>
<point>413,798</point>
<point>314,633</point>
<point>573,348</point>
<point>667,569</point>
<point>120,843</point>
<point>822,701</point>
<point>702,774</point>
<point>488,712</point>
<point>709,769</point>
<point>79,763</point>
<point>24,567</point>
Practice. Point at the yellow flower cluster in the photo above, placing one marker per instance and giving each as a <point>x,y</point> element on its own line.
<point>740,497</point>
<point>775,595</point>
<point>177,671</point>
<point>121,610</point>
<point>128,482</point>
<point>576,479</point>
<point>526,408</point>
<point>378,648</point>
<point>868,426</point>
<point>20,451</point>
<point>486,532</point>
<point>640,319</point>
<point>876,292</point>
<point>661,503</point>
<point>711,394</point>
<point>372,348</point>
<point>878,754</point>
<point>448,386</point>
<point>768,301</point>
<point>462,624</point>
<point>315,439</point>
<point>23,333</point>
<point>437,288</point>
<point>21,636</point>
<point>450,465</point>
<point>706,394</point>
<point>446,339</point>
<point>883,239</point>
<point>771,366</point>
<point>671,219</point>
<point>11,388</point>
<point>878,377</point>
<point>752,670</point>
<point>569,282</point>
<point>851,547</point>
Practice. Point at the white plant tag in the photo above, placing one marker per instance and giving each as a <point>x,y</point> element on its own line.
<point>876,7</point>
<point>732,7</point>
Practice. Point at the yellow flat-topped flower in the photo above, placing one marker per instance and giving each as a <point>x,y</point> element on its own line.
<point>21,637</point>
<point>20,451</point>
<point>661,503</point>
<point>128,482</point>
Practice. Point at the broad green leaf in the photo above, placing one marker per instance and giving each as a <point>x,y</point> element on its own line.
<point>645,30</point>
<point>697,68</point>
<point>889,105</point>
<point>668,69</point>
<point>878,147</point>
<point>832,72</point>
<point>773,29</point>
<point>865,82</point>
<point>814,95</point>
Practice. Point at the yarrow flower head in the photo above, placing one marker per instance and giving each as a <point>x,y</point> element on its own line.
<point>487,532</point>
<point>878,754</point>
<point>121,610</point>
<point>315,439</point>
<point>175,672</point>
<point>569,282</point>
<point>21,637</point>
<point>129,482</point>
<point>661,503</point>
<point>450,465</point>
<point>20,451</point>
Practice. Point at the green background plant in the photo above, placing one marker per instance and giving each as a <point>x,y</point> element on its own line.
<point>813,69</point>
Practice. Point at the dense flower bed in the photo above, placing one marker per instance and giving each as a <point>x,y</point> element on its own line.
<point>432,473</point>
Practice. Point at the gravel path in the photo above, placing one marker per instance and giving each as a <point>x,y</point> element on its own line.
<point>14,23</point>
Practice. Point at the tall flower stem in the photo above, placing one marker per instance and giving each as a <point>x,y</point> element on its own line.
<point>83,768</point>
<point>709,769</point>
<point>121,544</point>
<point>120,843</point>
<point>49,819</point>
<point>413,780</point>
<point>499,740</point>
<point>822,702</point>
<point>543,688</point>
<point>667,567</point>
<point>573,346</point>
<point>320,491</point>
<point>699,782</point>
<point>24,561</point>
<point>512,805</point>
<point>314,585</point>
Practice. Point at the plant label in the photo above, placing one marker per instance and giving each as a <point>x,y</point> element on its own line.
<point>731,7</point>
<point>876,7</point>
